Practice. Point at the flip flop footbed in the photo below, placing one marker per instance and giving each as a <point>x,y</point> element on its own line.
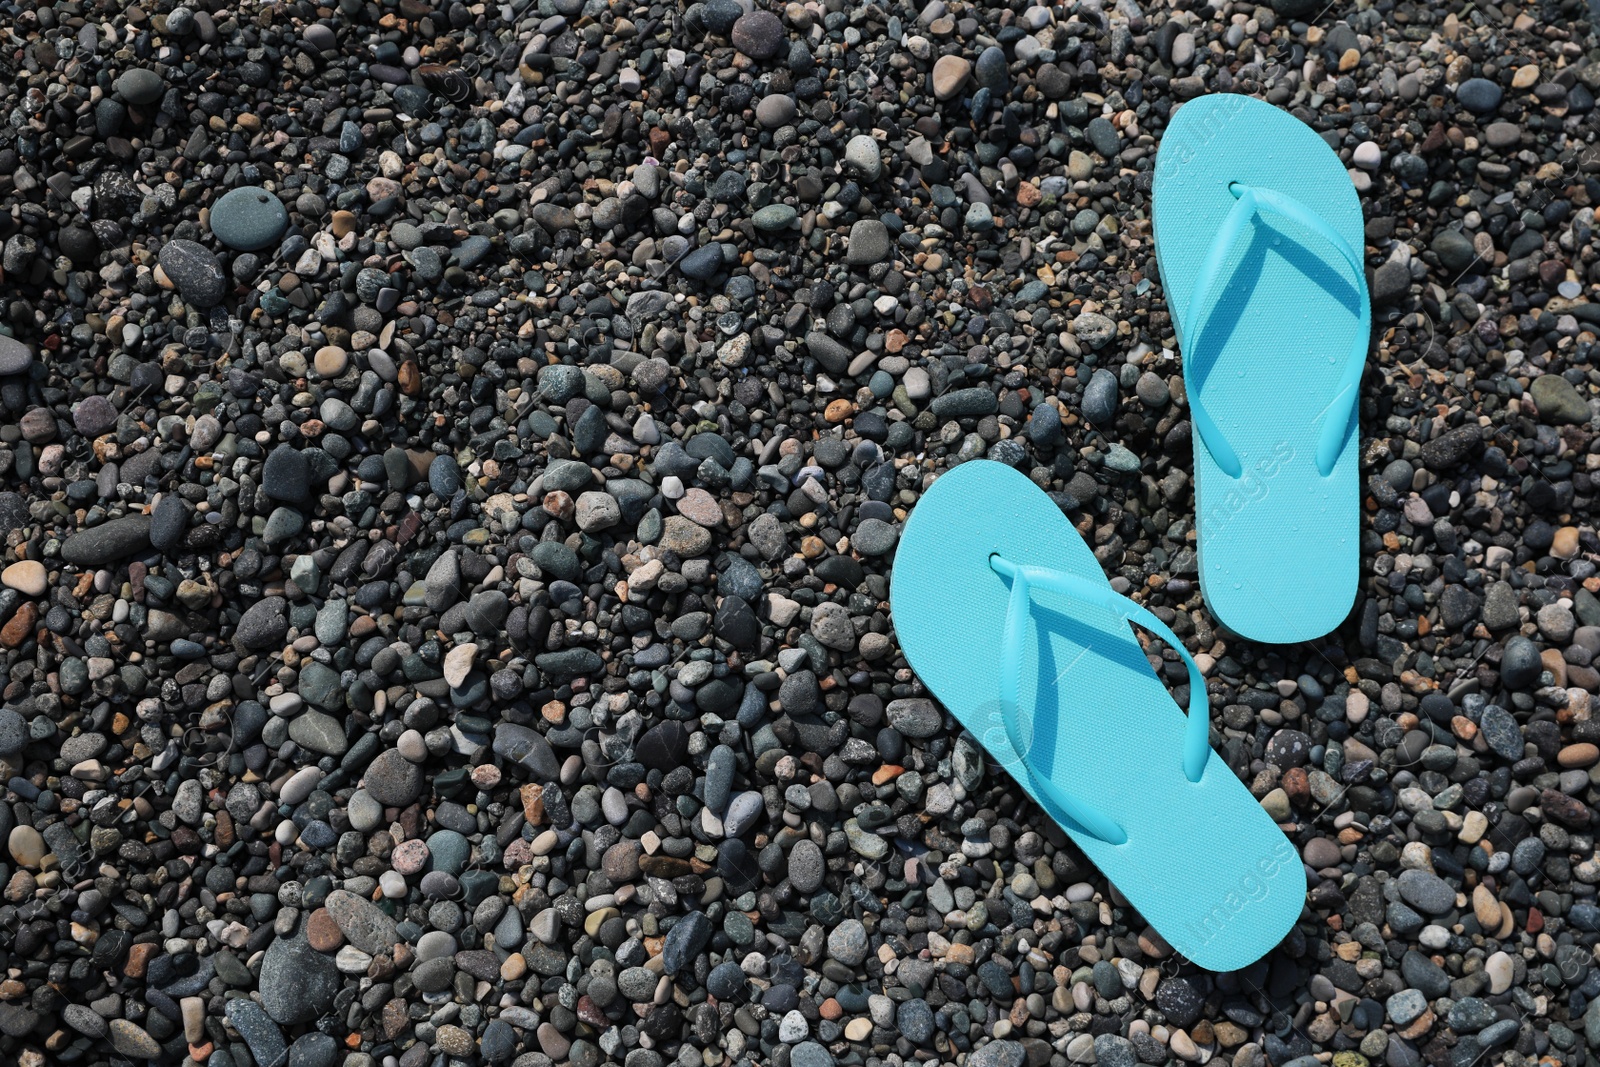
<point>1279,545</point>
<point>1203,863</point>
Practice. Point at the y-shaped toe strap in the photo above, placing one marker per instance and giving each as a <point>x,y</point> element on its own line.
<point>1197,738</point>
<point>1336,416</point>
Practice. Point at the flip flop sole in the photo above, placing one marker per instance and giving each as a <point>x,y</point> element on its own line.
<point>1203,863</point>
<point>1279,546</point>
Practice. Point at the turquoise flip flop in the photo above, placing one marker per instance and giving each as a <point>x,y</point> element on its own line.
<point>1004,613</point>
<point>1259,239</point>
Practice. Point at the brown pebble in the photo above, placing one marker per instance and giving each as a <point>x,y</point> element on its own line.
<point>410,378</point>
<point>533,803</point>
<point>396,1019</point>
<point>20,627</point>
<point>559,504</point>
<point>1486,908</point>
<point>667,867</point>
<point>1423,1024</point>
<point>139,957</point>
<point>960,954</point>
<point>1552,660</point>
<point>330,361</point>
<point>1578,756</point>
<point>1565,543</point>
<point>224,831</point>
<point>322,933</point>
<point>838,410</point>
<point>1229,1034</point>
<point>1297,784</point>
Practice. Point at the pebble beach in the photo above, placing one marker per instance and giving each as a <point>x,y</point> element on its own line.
<point>452,458</point>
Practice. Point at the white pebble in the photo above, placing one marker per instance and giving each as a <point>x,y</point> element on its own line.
<point>351,960</point>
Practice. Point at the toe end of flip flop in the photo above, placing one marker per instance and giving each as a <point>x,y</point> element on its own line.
<point>1286,623</point>
<point>1244,916</point>
<point>1255,929</point>
<point>1268,601</point>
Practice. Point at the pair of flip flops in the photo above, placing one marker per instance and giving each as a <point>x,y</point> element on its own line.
<point>1005,614</point>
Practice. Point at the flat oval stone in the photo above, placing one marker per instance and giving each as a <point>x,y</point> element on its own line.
<point>774,217</point>
<point>140,86</point>
<point>248,218</point>
<point>109,541</point>
<point>1479,95</point>
<point>776,109</point>
<point>15,357</point>
<point>949,75</point>
<point>26,576</point>
<point>195,271</point>
<point>362,922</point>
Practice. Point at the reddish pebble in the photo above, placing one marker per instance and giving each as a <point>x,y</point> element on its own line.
<point>559,504</point>
<point>322,933</point>
<point>138,959</point>
<point>410,857</point>
<point>20,626</point>
<point>1297,784</point>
